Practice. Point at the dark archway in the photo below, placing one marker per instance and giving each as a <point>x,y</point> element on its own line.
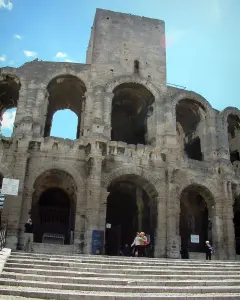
<point>130,107</point>
<point>65,92</point>
<point>129,210</point>
<point>189,117</point>
<point>9,95</point>
<point>54,205</point>
<point>236,221</point>
<point>195,218</point>
<point>234,137</point>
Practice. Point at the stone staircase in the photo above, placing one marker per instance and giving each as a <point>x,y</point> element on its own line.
<point>45,276</point>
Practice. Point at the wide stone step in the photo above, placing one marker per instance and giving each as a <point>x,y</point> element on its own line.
<point>142,289</point>
<point>72,272</point>
<point>42,293</point>
<point>123,281</point>
<point>82,267</point>
<point>119,259</point>
<point>103,265</point>
<point>121,275</point>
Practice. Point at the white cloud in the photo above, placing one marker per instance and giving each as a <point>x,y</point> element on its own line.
<point>3,57</point>
<point>17,36</point>
<point>29,53</point>
<point>61,55</point>
<point>6,4</point>
<point>68,60</point>
<point>8,119</point>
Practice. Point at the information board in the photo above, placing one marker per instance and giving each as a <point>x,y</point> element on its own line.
<point>97,242</point>
<point>10,186</point>
<point>194,238</point>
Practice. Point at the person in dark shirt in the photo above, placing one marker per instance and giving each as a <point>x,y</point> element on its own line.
<point>208,249</point>
<point>28,239</point>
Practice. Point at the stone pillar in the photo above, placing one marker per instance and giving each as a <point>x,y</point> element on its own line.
<point>140,207</point>
<point>173,215</point>
<point>209,144</point>
<point>37,116</point>
<point>79,221</point>
<point>81,133</point>
<point>88,114</point>
<point>98,99</point>
<point>103,209</point>
<point>216,214</point>
<point>14,214</point>
<point>107,114</point>
<point>93,199</point>
<point>159,117</point>
<point>229,232</point>
<point>161,230</point>
<point>21,111</point>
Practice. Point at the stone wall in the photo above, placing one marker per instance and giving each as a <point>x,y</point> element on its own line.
<point>161,167</point>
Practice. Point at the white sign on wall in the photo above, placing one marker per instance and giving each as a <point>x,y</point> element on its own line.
<point>194,239</point>
<point>108,226</point>
<point>10,186</point>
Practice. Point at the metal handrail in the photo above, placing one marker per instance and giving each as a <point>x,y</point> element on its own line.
<point>2,238</point>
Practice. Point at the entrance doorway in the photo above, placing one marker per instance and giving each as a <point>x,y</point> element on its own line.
<point>129,210</point>
<point>54,207</point>
<point>194,220</point>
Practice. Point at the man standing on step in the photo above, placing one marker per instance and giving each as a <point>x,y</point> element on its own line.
<point>28,239</point>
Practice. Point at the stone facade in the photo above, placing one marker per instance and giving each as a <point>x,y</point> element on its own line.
<point>186,146</point>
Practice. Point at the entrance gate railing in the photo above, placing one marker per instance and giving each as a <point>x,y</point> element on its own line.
<point>2,238</point>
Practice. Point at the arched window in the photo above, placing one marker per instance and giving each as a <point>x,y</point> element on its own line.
<point>129,113</point>
<point>64,124</point>
<point>234,137</point>
<point>190,115</point>
<point>9,94</point>
<point>65,93</point>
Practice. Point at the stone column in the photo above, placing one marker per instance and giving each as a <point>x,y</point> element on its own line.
<point>107,114</point>
<point>151,126</point>
<point>79,221</point>
<point>140,207</point>
<point>88,114</point>
<point>173,215</point>
<point>93,199</point>
<point>229,232</point>
<point>218,227</point>
<point>81,133</point>
<point>14,228</point>
<point>103,208</point>
<point>21,111</point>
<point>98,99</point>
<point>39,113</point>
<point>161,230</point>
<point>209,139</point>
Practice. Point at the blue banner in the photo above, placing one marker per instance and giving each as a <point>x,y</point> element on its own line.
<point>97,242</point>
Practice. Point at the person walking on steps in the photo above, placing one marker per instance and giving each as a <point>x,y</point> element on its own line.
<point>135,245</point>
<point>208,249</point>
<point>28,236</point>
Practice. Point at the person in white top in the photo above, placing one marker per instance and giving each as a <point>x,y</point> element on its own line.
<point>135,244</point>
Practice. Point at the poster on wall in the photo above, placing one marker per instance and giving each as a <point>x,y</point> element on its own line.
<point>10,186</point>
<point>194,239</point>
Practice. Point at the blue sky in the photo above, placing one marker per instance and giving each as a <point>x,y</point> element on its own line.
<point>203,41</point>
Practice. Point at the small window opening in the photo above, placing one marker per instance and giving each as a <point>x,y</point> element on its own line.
<point>7,122</point>
<point>193,149</point>
<point>136,66</point>
<point>234,156</point>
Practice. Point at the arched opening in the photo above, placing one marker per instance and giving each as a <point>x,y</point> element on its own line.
<point>64,124</point>
<point>236,221</point>
<point>129,113</point>
<point>9,95</point>
<point>2,198</point>
<point>65,93</point>
<point>190,117</point>
<point>129,210</point>
<point>54,207</point>
<point>195,218</point>
<point>234,137</point>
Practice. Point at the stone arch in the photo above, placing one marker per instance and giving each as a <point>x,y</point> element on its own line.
<point>226,112</point>
<point>77,177</point>
<point>194,97</point>
<point>110,86</point>
<point>56,74</point>
<point>143,178</point>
